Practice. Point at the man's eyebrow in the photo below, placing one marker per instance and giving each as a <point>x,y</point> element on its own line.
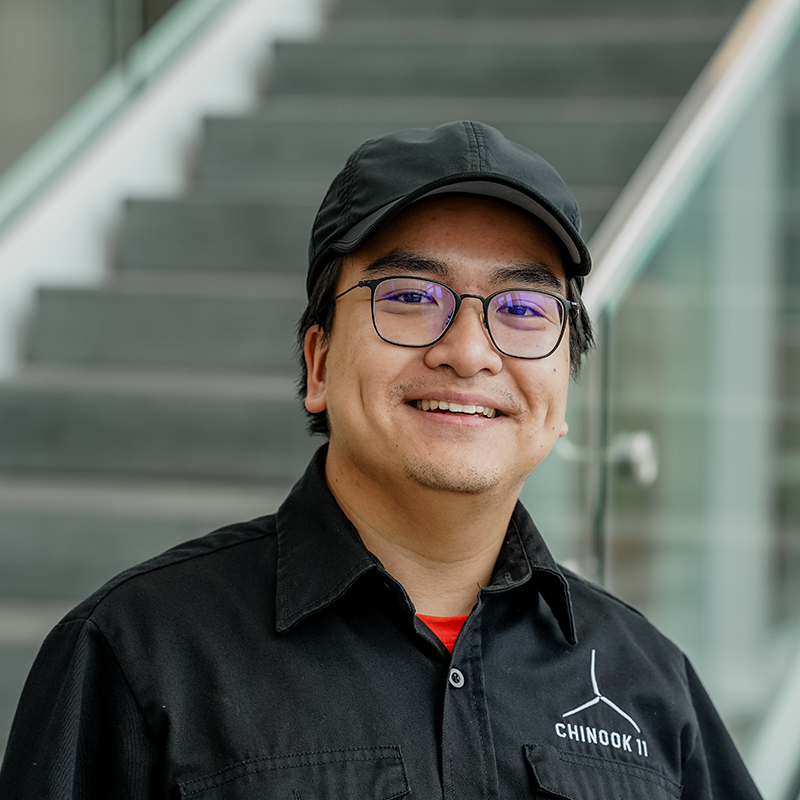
<point>405,262</point>
<point>528,274</point>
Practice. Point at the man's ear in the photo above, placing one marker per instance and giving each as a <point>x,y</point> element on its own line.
<point>315,351</point>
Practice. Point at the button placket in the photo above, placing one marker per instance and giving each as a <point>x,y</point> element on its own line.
<point>469,766</point>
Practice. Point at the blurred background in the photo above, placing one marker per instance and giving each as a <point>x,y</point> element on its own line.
<point>161,162</point>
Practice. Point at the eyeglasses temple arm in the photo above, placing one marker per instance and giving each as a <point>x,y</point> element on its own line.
<point>356,286</point>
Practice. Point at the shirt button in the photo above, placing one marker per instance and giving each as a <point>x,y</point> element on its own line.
<point>456,678</point>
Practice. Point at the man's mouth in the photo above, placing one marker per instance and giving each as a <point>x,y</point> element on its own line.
<point>456,408</point>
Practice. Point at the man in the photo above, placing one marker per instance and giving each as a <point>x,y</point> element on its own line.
<point>398,628</point>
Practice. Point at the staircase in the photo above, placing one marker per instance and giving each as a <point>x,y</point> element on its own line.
<point>161,404</point>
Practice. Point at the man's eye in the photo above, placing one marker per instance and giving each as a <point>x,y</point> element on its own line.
<point>518,310</point>
<point>416,298</point>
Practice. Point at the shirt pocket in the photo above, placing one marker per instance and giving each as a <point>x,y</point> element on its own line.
<point>576,776</point>
<point>371,773</point>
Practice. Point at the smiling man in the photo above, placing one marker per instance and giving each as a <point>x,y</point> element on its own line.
<point>398,628</point>
<point>429,481</point>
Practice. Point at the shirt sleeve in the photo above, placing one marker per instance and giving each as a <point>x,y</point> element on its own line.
<point>714,769</point>
<point>78,730</point>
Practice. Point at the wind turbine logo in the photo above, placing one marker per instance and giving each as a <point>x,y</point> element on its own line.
<point>600,698</point>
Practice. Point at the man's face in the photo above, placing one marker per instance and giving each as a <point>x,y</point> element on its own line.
<point>372,390</point>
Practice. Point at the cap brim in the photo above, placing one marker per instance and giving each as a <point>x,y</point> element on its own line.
<point>483,188</point>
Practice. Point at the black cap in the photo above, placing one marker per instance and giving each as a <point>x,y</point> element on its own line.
<point>387,174</point>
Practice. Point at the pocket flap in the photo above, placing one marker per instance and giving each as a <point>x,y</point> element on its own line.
<point>372,773</point>
<point>576,776</point>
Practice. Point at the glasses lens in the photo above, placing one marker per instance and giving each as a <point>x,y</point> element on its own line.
<point>526,324</point>
<point>410,311</point>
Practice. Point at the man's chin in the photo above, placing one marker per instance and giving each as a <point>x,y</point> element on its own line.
<point>458,479</point>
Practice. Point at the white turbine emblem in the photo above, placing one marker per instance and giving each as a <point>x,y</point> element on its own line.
<point>600,698</point>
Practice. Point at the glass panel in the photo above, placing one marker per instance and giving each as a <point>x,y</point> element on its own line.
<point>52,51</point>
<point>68,68</point>
<point>704,353</point>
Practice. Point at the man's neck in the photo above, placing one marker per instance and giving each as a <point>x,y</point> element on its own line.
<point>441,546</point>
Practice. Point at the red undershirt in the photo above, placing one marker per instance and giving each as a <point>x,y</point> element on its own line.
<point>445,628</point>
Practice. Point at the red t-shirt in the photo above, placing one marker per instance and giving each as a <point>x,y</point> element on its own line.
<point>445,628</point>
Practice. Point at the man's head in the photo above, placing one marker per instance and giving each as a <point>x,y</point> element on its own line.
<point>455,414</point>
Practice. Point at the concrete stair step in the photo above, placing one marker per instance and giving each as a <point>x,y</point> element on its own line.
<point>599,57</point>
<point>522,9</point>
<point>62,538</point>
<point>212,322</point>
<point>217,233</point>
<point>150,424</point>
<point>533,30</point>
<point>591,142</point>
<point>200,236</point>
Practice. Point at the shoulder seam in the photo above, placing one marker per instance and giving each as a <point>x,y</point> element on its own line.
<point>572,576</point>
<point>147,567</point>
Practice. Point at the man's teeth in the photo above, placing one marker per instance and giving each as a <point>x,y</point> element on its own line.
<point>457,408</point>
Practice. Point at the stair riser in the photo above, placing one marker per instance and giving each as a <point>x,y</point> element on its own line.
<point>238,334</point>
<point>257,150</point>
<point>66,557</point>
<point>525,9</point>
<point>491,70</point>
<point>215,438</point>
<point>188,235</point>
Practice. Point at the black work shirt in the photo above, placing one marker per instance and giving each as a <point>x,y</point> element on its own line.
<point>278,659</point>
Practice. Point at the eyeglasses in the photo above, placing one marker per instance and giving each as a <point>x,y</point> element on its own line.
<point>414,312</point>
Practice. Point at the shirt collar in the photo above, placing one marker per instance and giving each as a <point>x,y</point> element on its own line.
<point>320,555</point>
<point>525,559</point>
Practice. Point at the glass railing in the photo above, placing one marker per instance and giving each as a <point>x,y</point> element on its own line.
<point>682,467</point>
<point>132,65</point>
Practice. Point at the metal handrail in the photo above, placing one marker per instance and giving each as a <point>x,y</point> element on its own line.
<point>36,170</point>
<point>676,162</point>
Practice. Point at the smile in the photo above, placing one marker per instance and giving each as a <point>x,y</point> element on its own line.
<point>455,408</point>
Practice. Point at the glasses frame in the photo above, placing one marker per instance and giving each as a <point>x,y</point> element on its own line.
<point>566,305</point>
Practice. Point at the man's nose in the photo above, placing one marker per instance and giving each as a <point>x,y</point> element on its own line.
<point>466,347</point>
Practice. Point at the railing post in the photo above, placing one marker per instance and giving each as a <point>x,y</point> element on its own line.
<point>598,437</point>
